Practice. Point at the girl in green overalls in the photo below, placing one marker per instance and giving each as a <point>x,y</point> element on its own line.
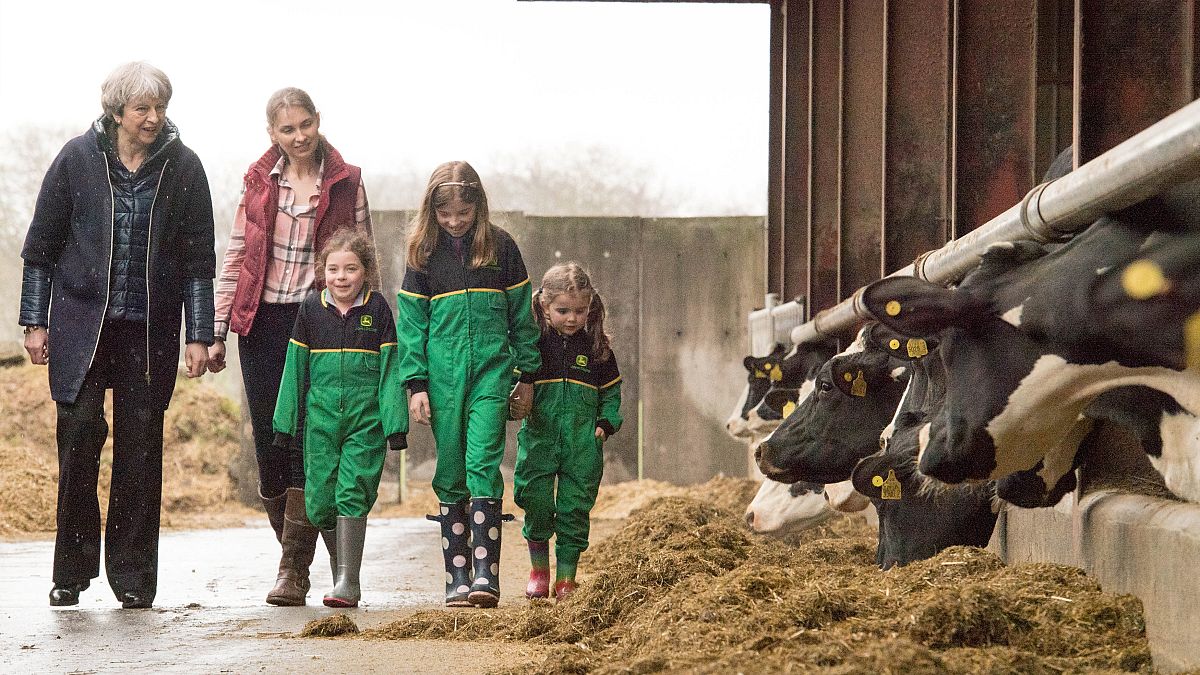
<point>466,334</point>
<point>341,366</point>
<point>576,406</point>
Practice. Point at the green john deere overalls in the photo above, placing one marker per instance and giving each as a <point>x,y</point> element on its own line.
<point>344,369</point>
<point>573,394</point>
<point>463,332</point>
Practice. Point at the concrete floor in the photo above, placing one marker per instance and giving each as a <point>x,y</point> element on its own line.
<point>210,616</point>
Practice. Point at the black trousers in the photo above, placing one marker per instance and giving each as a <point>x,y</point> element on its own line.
<point>262,353</point>
<point>135,495</point>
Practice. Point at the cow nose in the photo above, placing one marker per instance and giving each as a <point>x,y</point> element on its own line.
<point>760,452</point>
<point>750,519</point>
<point>937,464</point>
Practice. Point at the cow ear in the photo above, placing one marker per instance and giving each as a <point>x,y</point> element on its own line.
<point>748,362</point>
<point>779,400</point>
<point>778,350</point>
<point>875,477</point>
<point>898,345</point>
<point>911,306</point>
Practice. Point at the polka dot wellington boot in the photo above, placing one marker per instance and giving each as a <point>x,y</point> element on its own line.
<point>485,552</point>
<point>456,551</point>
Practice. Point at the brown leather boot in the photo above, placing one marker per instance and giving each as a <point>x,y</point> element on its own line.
<point>299,545</point>
<point>274,507</point>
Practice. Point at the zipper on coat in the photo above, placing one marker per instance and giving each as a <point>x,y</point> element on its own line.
<point>149,245</point>
<point>112,230</point>
<point>342,362</point>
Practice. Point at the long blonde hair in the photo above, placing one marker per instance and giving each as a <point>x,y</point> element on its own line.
<point>450,180</point>
<point>570,277</point>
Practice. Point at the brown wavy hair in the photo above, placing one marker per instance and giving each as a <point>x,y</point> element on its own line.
<point>357,241</point>
<point>570,277</point>
<point>450,180</point>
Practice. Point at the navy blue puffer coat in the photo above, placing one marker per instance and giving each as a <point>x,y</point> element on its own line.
<point>78,255</point>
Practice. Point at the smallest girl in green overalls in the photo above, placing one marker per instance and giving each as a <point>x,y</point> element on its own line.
<point>576,406</point>
<point>341,366</point>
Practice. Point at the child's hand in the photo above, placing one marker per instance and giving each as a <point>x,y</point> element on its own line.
<point>520,401</point>
<point>601,435</point>
<point>418,407</point>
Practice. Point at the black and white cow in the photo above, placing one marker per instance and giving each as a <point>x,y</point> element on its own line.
<point>855,395</point>
<point>918,518</point>
<point>1024,358</point>
<point>779,508</point>
<point>781,368</point>
<point>1149,308</point>
<point>760,372</point>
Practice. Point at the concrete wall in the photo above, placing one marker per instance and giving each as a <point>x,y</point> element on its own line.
<point>677,291</point>
<point>1129,543</point>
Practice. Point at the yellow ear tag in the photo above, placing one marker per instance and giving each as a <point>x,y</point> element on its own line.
<point>894,344</point>
<point>776,373</point>
<point>847,376</point>
<point>1191,342</point>
<point>759,374</point>
<point>859,386</point>
<point>917,348</point>
<point>891,487</point>
<point>877,481</point>
<point>788,409</point>
<point>1144,279</point>
<point>892,308</point>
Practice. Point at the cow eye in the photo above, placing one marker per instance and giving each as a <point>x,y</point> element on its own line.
<point>825,385</point>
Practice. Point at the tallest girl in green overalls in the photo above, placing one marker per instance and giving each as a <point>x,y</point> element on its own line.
<point>465,330</point>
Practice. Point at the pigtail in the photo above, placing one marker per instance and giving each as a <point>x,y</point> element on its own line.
<point>595,327</point>
<point>539,312</point>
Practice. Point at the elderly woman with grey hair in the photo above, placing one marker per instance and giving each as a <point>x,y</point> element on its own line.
<point>122,242</point>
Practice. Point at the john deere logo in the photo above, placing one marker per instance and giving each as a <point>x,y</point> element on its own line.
<point>581,361</point>
<point>365,321</point>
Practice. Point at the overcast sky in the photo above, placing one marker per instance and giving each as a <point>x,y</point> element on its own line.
<point>411,83</point>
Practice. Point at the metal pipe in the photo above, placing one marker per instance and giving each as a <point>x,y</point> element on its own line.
<point>1162,155</point>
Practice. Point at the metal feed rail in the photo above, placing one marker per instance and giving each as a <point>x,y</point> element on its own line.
<point>1162,155</point>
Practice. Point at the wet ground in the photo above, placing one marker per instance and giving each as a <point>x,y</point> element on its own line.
<point>209,614</point>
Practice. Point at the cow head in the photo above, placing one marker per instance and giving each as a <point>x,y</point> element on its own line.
<point>918,517</point>
<point>775,371</point>
<point>779,508</point>
<point>984,358</point>
<point>760,372</point>
<point>854,395</point>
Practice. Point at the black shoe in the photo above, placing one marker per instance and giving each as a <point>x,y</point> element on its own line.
<point>136,600</point>
<point>63,595</point>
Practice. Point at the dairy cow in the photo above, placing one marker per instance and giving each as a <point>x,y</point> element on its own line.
<point>1024,359</point>
<point>780,369</point>
<point>855,395</point>
<point>917,518</point>
<point>778,508</point>
<point>1149,308</point>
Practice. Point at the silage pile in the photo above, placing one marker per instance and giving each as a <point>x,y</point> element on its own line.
<point>684,586</point>
<point>200,436</point>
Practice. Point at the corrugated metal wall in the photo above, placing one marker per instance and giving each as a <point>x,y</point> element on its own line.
<point>897,125</point>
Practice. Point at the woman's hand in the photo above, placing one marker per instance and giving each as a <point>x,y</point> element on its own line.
<point>195,357</point>
<point>520,401</point>
<point>601,435</point>
<point>216,356</point>
<point>37,343</point>
<point>418,408</point>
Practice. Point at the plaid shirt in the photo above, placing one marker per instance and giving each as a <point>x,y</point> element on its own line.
<point>291,267</point>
